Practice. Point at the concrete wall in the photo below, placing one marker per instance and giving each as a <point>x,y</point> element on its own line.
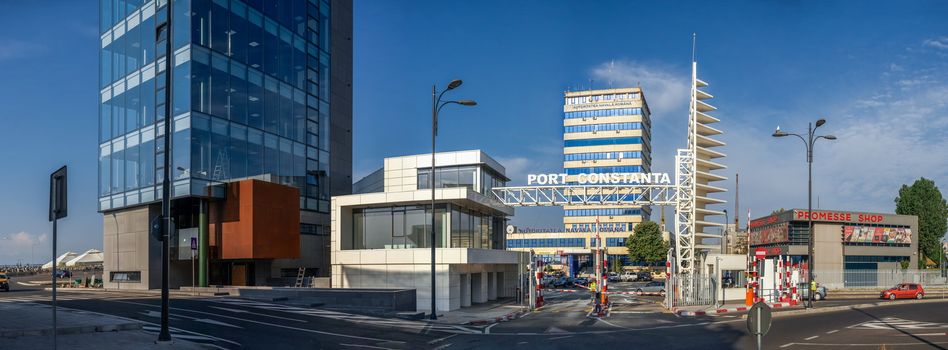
<point>462,274</point>
<point>127,246</point>
<point>384,299</point>
<point>828,247</point>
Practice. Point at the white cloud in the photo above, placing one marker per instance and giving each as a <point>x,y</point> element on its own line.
<point>16,246</point>
<point>665,87</point>
<point>540,158</point>
<point>891,137</point>
<point>938,43</point>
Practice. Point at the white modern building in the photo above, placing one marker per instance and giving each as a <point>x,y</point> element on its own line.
<point>381,236</point>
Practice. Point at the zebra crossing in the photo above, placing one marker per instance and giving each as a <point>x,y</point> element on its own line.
<point>899,324</point>
<point>417,326</point>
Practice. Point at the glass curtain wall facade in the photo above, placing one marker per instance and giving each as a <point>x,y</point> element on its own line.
<point>403,227</point>
<point>250,98</point>
<point>462,176</point>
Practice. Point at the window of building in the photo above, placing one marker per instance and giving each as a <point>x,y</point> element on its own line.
<point>125,276</point>
<point>604,170</point>
<point>602,113</point>
<point>410,227</point>
<point>603,141</point>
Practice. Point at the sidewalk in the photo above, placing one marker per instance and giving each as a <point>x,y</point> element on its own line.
<point>30,326</point>
<point>97,341</point>
<point>480,314</point>
<point>731,307</point>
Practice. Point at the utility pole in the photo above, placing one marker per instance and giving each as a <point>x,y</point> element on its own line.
<point>737,202</point>
<point>164,336</point>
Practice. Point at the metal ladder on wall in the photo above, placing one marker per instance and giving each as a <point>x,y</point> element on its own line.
<point>300,277</point>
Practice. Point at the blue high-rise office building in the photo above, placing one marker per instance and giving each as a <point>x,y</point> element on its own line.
<point>260,90</point>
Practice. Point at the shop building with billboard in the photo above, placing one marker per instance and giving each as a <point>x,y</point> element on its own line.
<point>381,235</point>
<point>845,242</point>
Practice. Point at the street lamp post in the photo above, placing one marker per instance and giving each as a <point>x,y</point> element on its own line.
<point>164,335</point>
<point>724,236</point>
<point>809,141</point>
<point>436,105</point>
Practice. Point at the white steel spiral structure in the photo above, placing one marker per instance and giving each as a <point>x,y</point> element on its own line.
<point>694,166</point>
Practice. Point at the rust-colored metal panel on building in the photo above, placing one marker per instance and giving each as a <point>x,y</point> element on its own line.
<point>257,220</point>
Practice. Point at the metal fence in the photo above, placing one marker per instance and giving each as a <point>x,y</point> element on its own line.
<point>690,290</point>
<point>878,279</point>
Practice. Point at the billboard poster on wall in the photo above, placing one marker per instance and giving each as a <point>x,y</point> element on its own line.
<point>771,234</point>
<point>879,235</point>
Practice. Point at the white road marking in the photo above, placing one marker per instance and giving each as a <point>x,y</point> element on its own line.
<point>870,344</point>
<point>897,323</point>
<point>365,346</point>
<point>423,327</point>
<point>442,339</point>
<point>563,337</point>
<point>786,345</point>
<point>216,322</point>
<point>258,314</point>
<point>813,337</point>
<point>487,330</point>
<point>268,324</point>
<point>832,331</point>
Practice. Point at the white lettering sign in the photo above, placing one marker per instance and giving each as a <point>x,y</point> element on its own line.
<point>601,179</point>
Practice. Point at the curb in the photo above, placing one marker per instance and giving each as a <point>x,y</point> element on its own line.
<point>684,313</point>
<point>103,290</point>
<point>508,317</point>
<point>71,330</point>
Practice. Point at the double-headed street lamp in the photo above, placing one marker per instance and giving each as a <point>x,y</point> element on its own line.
<point>809,141</point>
<point>436,105</point>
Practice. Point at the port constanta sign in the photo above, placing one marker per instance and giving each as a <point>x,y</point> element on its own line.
<point>600,179</point>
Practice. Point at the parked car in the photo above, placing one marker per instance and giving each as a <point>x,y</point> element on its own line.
<point>563,282</point>
<point>547,281</point>
<point>4,282</point>
<point>583,281</point>
<point>652,287</point>
<point>904,290</point>
<point>63,274</point>
<point>805,292</point>
<point>645,276</point>
<point>613,277</point>
<point>629,276</point>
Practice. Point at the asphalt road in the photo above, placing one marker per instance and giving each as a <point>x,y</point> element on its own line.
<point>564,323</point>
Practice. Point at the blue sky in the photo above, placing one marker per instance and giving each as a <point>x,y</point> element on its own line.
<point>878,71</point>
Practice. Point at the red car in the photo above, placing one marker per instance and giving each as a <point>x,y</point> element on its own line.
<point>904,290</point>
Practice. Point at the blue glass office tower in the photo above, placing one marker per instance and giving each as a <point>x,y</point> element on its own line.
<point>261,89</point>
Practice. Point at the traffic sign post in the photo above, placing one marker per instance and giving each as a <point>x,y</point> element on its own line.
<point>758,321</point>
<point>194,248</point>
<point>57,210</point>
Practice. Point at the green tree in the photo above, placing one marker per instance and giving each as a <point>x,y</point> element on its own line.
<point>615,266</point>
<point>646,243</point>
<point>923,199</point>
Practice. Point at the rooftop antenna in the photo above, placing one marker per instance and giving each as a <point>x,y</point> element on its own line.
<point>590,84</point>
<point>694,38</point>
